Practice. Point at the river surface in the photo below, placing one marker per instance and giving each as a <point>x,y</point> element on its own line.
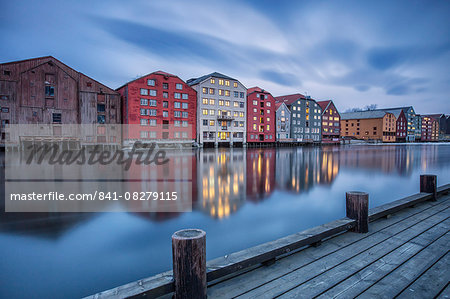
<point>242,198</point>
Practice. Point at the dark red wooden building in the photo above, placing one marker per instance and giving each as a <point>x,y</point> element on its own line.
<point>260,116</point>
<point>158,107</point>
<point>331,122</point>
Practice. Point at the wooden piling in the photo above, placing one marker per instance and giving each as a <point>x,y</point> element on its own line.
<point>357,207</point>
<point>428,184</point>
<point>189,263</point>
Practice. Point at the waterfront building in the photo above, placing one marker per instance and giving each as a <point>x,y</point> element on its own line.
<point>260,116</point>
<point>369,125</point>
<point>413,130</point>
<point>158,108</point>
<point>442,120</point>
<point>44,90</point>
<point>331,122</point>
<point>430,128</point>
<point>221,110</point>
<point>305,118</point>
<point>401,123</point>
<point>283,121</point>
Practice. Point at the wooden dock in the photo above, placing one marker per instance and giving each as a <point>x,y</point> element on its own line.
<point>404,254</point>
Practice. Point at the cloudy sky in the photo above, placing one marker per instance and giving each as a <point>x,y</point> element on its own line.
<point>390,53</point>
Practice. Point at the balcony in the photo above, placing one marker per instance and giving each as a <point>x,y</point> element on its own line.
<point>224,117</point>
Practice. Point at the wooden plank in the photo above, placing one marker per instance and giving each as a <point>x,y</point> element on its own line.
<point>355,283</point>
<point>344,262</point>
<point>392,284</point>
<point>445,293</point>
<point>251,280</point>
<point>431,282</point>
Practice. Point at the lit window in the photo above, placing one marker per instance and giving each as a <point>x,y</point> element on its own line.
<point>205,90</point>
<point>235,84</point>
<point>205,101</point>
<point>212,81</point>
<point>220,81</point>
<point>212,90</point>
<point>205,111</point>
<point>212,101</point>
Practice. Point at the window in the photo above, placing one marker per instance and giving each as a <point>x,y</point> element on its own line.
<point>165,104</point>
<point>255,110</point>
<point>241,114</point>
<point>221,92</point>
<point>220,102</point>
<point>211,123</point>
<point>152,122</point>
<point>184,105</point>
<point>177,123</point>
<point>179,86</point>
<point>212,101</point>
<point>184,96</point>
<point>235,84</point>
<point>144,122</point>
<point>165,113</point>
<point>177,95</point>
<point>144,92</point>
<point>236,94</point>
<point>220,81</point>
<point>268,104</point>
<point>184,123</point>
<point>151,112</point>
<point>205,111</point>
<point>241,95</point>
<point>227,93</point>
<point>143,111</point>
<point>177,105</point>
<point>49,91</point>
<point>144,102</point>
<point>6,110</point>
<point>165,85</point>
<point>227,103</point>
<point>227,83</point>
<point>205,101</point>
<point>101,119</point>
<point>7,73</point>
<point>241,104</point>
<point>212,81</point>
<point>205,90</point>
<point>177,113</point>
<point>212,90</point>
<point>56,118</point>
<point>236,104</point>
<point>152,103</point>
<point>151,82</point>
<point>184,114</point>
<point>205,122</point>
<point>165,94</point>
<point>255,102</point>
<point>100,107</point>
<point>254,118</point>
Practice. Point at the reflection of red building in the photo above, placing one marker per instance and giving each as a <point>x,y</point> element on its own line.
<point>260,116</point>
<point>331,122</point>
<point>260,173</point>
<point>159,106</point>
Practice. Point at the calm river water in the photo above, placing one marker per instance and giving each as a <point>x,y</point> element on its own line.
<point>256,196</point>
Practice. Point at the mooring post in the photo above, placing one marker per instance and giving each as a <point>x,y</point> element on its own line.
<point>357,207</point>
<point>189,263</point>
<point>428,184</point>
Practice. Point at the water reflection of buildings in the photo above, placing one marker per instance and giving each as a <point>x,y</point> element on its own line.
<point>386,159</point>
<point>260,173</point>
<point>221,181</point>
<point>299,169</point>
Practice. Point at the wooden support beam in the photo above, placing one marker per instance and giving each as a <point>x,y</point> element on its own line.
<point>428,184</point>
<point>357,207</point>
<point>189,263</point>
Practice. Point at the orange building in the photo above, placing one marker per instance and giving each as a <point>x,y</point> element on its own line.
<point>369,125</point>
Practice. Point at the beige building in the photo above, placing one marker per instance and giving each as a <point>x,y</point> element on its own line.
<point>369,125</point>
<point>221,110</point>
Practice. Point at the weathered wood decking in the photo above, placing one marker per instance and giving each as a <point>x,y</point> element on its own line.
<point>405,253</point>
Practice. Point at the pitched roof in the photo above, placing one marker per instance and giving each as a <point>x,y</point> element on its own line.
<point>290,98</point>
<point>405,109</point>
<point>324,104</point>
<point>364,114</point>
<point>153,73</point>
<point>194,81</point>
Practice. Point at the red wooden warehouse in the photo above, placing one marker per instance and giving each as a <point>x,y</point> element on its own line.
<point>260,116</point>
<point>160,108</point>
<point>331,122</point>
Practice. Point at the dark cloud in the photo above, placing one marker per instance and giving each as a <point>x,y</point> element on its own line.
<point>362,88</point>
<point>285,79</point>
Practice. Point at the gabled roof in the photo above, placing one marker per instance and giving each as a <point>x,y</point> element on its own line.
<point>194,81</point>
<point>153,73</point>
<point>324,104</point>
<point>289,99</point>
<point>257,89</point>
<point>278,105</point>
<point>364,114</point>
<point>405,109</point>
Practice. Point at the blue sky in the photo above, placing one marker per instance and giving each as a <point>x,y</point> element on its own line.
<point>390,53</point>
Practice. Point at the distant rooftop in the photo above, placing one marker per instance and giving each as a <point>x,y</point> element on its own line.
<point>153,73</point>
<point>194,81</point>
<point>364,114</point>
<point>290,98</point>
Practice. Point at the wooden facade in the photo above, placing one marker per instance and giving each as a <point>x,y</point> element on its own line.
<point>369,125</point>
<point>46,91</point>
<point>430,128</point>
<point>331,122</point>
<point>260,116</point>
